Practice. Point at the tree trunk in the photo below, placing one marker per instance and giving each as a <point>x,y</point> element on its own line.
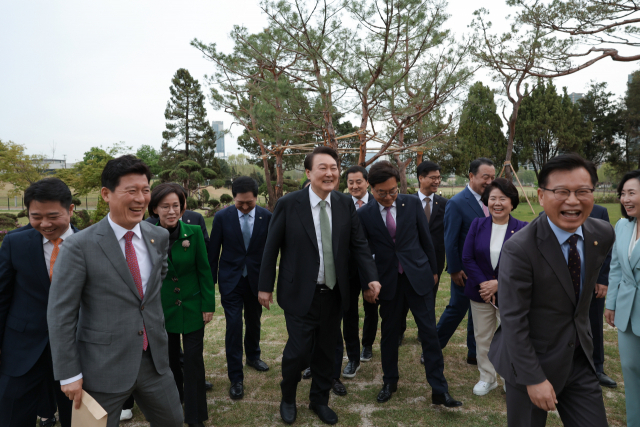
<point>279,175</point>
<point>362,157</point>
<point>419,158</point>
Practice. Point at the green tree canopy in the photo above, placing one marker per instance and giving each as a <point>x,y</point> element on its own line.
<point>151,157</point>
<point>189,173</point>
<point>19,168</point>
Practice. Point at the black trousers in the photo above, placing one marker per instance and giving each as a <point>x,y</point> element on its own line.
<point>312,342</point>
<point>370,325</point>
<point>403,327</point>
<point>351,330</point>
<point>21,397</point>
<point>422,308</point>
<point>580,401</point>
<point>596,311</point>
<point>190,383</point>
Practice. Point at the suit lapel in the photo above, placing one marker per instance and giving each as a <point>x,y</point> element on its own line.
<point>337,220</point>
<point>112,251</point>
<point>471,200</point>
<point>382,229</point>
<point>552,253</point>
<point>258,222</point>
<point>237,228</point>
<point>36,247</point>
<point>590,259</point>
<point>435,208</point>
<point>635,254</point>
<point>401,216</point>
<point>303,207</point>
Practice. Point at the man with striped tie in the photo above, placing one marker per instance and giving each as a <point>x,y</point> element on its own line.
<point>26,267</point>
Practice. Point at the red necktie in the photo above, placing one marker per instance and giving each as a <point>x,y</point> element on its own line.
<point>359,203</point>
<point>391,226</point>
<point>134,268</point>
<point>54,255</point>
<point>485,210</point>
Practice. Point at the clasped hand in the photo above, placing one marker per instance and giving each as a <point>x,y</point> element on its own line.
<point>488,291</point>
<point>371,294</point>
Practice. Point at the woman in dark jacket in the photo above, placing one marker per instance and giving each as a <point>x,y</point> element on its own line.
<point>481,259</point>
<point>188,299</point>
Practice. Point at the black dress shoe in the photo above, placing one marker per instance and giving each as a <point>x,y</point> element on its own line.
<point>196,425</point>
<point>422,358</point>
<point>208,386</point>
<point>471,360</point>
<point>306,374</point>
<point>338,388</point>
<point>445,399</point>
<point>258,365</point>
<point>367,354</point>
<point>386,392</point>
<point>400,339</point>
<point>325,413</point>
<point>49,422</point>
<point>605,381</point>
<point>288,412</point>
<point>351,369</point>
<point>236,391</point>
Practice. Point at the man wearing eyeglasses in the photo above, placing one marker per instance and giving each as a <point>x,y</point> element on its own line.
<point>548,273</point>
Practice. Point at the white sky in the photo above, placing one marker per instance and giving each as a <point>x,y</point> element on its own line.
<point>87,73</point>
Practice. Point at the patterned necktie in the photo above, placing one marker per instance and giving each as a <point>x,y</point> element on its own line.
<point>327,247</point>
<point>134,268</point>
<point>485,210</point>
<point>359,203</point>
<point>246,236</point>
<point>427,209</point>
<point>391,226</point>
<point>575,265</point>
<point>54,255</point>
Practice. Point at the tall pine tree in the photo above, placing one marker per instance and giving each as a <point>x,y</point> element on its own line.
<point>186,116</point>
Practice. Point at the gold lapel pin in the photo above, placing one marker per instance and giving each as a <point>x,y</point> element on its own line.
<point>403,204</point>
<point>153,241</point>
<point>511,231</point>
<point>260,217</point>
<point>185,235</point>
<point>595,243</point>
<point>189,221</point>
<point>436,203</point>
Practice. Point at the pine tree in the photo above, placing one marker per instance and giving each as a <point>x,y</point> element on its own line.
<point>186,116</point>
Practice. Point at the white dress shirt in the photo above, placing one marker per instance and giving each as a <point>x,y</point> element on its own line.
<point>144,263</point>
<point>384,213</point>
<point>498,231</point>
<point>477,196</point>
<point>424,200</point>
<point>251,219</point>
<point>365,199</point>
<point>315,200</point>
<point>47,246</point>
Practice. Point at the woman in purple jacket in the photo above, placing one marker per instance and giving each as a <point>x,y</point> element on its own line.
<point>481,259</point>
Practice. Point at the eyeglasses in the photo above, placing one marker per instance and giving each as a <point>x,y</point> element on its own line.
<point>562,194</point>
<point>384,194</point>
<point>168,208</point>
<point>435,178</point>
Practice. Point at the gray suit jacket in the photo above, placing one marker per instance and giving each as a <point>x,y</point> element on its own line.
<point>539,313</point>
<point>95,313</point>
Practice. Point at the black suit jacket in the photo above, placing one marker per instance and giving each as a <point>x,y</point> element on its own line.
<point>539,314</point>
<point>436,228</point>
<point>354,277</point>
<point>292,234</point>
<point>413,247</point>
<point>226,234</point>
<point>192,218</point>
<point>24,295</point>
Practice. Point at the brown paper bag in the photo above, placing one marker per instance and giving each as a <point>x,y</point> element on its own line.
<point>90,413</point>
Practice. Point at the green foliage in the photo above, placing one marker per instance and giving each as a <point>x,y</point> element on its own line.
<point>626,156</point>
<point>76,201</point>
<point>102,210</point>
<point>151,157</point>
<point>214,203</point>
<point>218,183</point>
<point>8,221</point>
<point>189,173</point>
<point>226,199</point>
<point>480,130</point>
<point>527,177</point>
<point>19,168</point>
<point>22,214</point>
<point>203,196</point>
<point>192,203</point>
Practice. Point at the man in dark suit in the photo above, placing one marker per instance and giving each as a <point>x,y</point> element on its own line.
<point>398,234</point>
<point>314,230</point>
<point>596,309</point>
<point>460,212</point>
<point>241,232</point>
<point>548,272</point>
<point>26,262</point>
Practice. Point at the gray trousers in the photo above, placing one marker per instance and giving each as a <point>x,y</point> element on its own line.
<point>156,395</point>
<point>580,402</point>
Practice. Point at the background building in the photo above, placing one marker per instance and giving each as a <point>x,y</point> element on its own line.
<point>575,96</point>
<point>218,128</point>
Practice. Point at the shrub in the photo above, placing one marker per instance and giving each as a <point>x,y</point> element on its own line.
<point>214,203</point>
<point>192,203</point>
<point>81,219</point>
<point>8,221</point>
<point>76,201</point>
<point>217,183</point>
<point>22,214</point>
<point>226,199</point>
<point>204,196</point>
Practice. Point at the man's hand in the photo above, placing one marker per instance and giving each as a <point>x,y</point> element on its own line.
<point>543,396</point>
<point>374,291</point>
<point>435,278</point>
<point>207,317</point>
<point>74,392</point>
<point>265,298</point>
<point>459,278</point>
<point>610,317</point>
<point>601,291</point>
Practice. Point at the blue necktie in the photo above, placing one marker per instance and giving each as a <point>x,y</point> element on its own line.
<point>246,236</point>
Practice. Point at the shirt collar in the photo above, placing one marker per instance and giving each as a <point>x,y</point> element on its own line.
<point>423,196</point>
<point>382,207</point>
<point>562,235</point>
<point>315,199</point>
<point>64,236</point>
<point>251,214</point>
<point>365,198</point>
<point>121,231</point>
<point>476,195</point>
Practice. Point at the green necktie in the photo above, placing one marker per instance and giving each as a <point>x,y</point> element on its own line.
<point>327,248</point>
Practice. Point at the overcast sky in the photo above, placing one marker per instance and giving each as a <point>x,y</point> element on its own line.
<point>83,73</point>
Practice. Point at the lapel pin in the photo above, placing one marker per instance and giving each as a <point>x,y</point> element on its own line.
<point>595,243</point>
<point>153,241</point>
<point>511,231</point>
<point>189,221</point>
<point>436,203</point>
<point>185,235</point>
<point>403,204</point>
<point>260,217</point>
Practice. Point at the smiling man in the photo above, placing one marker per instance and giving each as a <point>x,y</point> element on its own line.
<point>548,272</point>
<point>105,315</point>
<point>314,230</point>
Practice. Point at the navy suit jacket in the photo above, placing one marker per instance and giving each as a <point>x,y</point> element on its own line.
<point>600,212</point>
<point>24,295</point>
<point>460,212</point>
<point>436,228</point>
<point>227,234</point>
<point>413,247</point>
<point>354,276</point>
<point>476,255</point>
<point>19,229</point>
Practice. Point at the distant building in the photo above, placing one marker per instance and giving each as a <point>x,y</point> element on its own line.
<point>52,164</point>
<point>574,97</point>
<point>218,128</point>
<point>629,78</point>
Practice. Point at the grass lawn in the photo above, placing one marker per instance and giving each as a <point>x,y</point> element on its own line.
<point>409,406</point>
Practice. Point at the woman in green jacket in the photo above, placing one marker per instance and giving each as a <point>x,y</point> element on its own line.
<point>188,298</point>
